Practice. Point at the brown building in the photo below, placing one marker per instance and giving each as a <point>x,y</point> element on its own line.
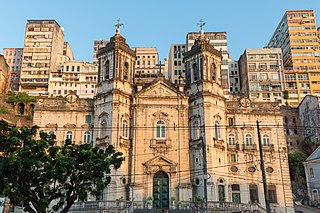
<point>4,69</point>
<point>13,57</point>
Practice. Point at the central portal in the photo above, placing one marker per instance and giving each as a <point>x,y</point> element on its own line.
<point>161,190</point>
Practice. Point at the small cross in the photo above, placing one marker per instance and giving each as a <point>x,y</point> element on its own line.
<point>118,25</point>
<point>201,24</point>
<point>159,66</point>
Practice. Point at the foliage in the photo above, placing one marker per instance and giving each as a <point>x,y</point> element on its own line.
<point>20,97</point>
<point>4,110</point>
<point>296,166</point>
<point>46,177</point>
<point>306,146</point>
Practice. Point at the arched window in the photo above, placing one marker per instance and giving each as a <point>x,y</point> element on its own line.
<point>236,198</point>
<point>87,137</point>
<point>69,136</point>
<point>195,71</point>
<point>32,109</point>
<point>217,129</point>
<point>195,130</point>
<point>272,192</point>
<point>125,129</point>
<point>248,139</point>
<point>232,139</point>
<point>103,129</point>
<point>161,129</point>
<point>266,140</point>
<point>214,72</point>
<point>126,71</point>
<point>107,73</point>
<point>21,107</point>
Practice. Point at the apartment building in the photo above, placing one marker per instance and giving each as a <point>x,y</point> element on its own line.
<point>175,62</point>
<point>297,35</point>
<point>147,64</point>
<point>261,71</point>
<point>43,44</point>
<point>78,77</point>
<point>13,58</point>
<point>97,44</point>
<point>234,76</point>
<point>219,41</point>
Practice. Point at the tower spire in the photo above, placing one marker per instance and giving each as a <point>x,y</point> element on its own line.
<point>201,24</point>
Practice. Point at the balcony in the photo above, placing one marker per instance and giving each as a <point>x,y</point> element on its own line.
<point>268,147</point>
<point>250,146</point>
<point>233,147</point>
<point>160,143</point>
<point>124,142</point>
<point>218,143</point>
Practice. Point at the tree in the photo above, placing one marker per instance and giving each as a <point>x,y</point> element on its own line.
<point>306,146</point>
<point>296,166</point>
<point>46,177</point>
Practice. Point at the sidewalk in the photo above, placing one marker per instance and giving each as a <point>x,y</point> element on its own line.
<point>306,209</point>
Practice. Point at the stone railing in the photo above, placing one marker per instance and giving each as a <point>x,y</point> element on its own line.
<point>98,206</point>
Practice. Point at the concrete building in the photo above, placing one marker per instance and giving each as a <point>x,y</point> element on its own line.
<point>97,44</point>
<point>173,136</point>
<point>297,36</point>
<point>309,112</point>
<point>234,77</point>
<point>219,41</point>
<point>79,77</point>
<point>146,67</point>
<point>13,57</point>
<point>261,71</point>
<point>66,117</point>
<point>312,170</point>
<point>43,45</point>
<point>4,69</point>
<point>175,62</point>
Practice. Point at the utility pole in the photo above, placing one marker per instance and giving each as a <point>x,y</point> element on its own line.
<point>264,179</point>
<point>205,174</point>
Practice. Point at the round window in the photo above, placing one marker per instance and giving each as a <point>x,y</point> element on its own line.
<point>233,169</point>
<point>269,169</point>
<point>252,169</point>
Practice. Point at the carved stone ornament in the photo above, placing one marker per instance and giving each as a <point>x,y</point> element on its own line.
<point>245,102</point>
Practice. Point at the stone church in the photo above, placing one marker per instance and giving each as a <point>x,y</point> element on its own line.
<point>185,142</point>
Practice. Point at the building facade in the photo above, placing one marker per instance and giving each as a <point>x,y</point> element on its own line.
<point>234,77</point>
<point>79,77</point>
<point>147,68</point>
<point>175,62</point>
<point>312,170</point>
<point>261,71</point>
<point>43,44</point>
<point>4,70</point>
<point>13,57</point>
<point>68,117</point>
<point>185,141</point>
<point>297,36</point>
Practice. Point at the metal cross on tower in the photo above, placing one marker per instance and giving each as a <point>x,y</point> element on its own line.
<point>118,25</point>
<point>160,66</point>
<point>201,24</point>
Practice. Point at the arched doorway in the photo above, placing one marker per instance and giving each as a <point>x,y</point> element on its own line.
<point>161,190</point>
<point>21,107</point>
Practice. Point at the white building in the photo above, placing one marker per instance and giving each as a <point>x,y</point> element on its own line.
<point>79,77</point>
<point>175,62</point>
<point>234,76</point>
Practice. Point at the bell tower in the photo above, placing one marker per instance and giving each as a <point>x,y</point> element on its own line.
<point>206,114</point>
<point>113,106</point>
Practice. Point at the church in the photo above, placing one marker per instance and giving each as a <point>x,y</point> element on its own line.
<point>186,142</point>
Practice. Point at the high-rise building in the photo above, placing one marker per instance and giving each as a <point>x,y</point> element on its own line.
<point>43,44</point>
<point>261,71</point>
<point>175,62</point>
<point>13,57</point>
<point>78,77</point>
<point>97,44</point>
<point>297,35</point>
<point>219,41</point>
<point>234,76</point>
<point>146,68</point>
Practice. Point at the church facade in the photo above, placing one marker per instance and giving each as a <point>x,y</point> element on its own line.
<point>184,142</point>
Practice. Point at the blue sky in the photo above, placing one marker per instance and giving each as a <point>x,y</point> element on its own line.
<point>150,23</point>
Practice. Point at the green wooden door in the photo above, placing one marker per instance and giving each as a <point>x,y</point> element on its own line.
<point>161,190</point>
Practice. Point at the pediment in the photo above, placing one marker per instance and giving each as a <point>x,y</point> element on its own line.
<point>159,161</point>
<point>160,89</point>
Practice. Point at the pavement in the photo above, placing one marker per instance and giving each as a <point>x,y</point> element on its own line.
<point>306,209</point>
